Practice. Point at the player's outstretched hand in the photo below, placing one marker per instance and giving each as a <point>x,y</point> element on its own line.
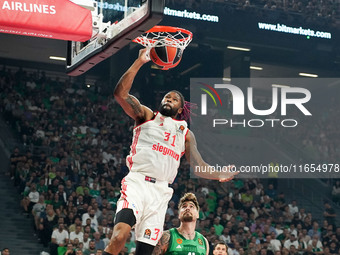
<point>227,175</point>
<point>144,55</point>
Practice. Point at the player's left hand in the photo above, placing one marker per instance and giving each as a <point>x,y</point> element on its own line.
<point>227,175</point>
<point>144,55</point>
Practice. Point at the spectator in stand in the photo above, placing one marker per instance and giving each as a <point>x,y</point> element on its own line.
<point>15,158</point>
<point>218,227</point>
<point>307,223</point>
<point>99,243</point>
<point>277,213</point>
<point>95,207</point>
<point>99,252</point>
<point>316,244</point>
<point>336,192</point>
<point>293,208</point>
<point>77,222</point>
<point>57,203</point>
<point>291,241</point>
<point>271,192</point>
<point>69,188</point>
<point>225,237</point>
<point>334,248</point>
<point>67,250</point>
<point>293,250</point>
<point>94,189</point>
<point>302,214</point>
<point>171,210</point>
<point>309,251</point>
<point>92,216</point>
<point>5,251</point>
<point>329,213</point>
<point>42,187</point>
<point>247,196</point>
<point>87,197</point>
<point>29,201</point>
<point>92,248</point>
<point>47,222</point>
<point>53,187</point>
<point>101,197</point>
<point>60,238</point>
<point>62,194</point>
<point>80,189</point>
<point>88,229</point>
<point>275,244</point>
<point>77,234</point>
<point>86,241</point>
<point>38,209</point>
<point>315,231</point>
<point>288,216</point>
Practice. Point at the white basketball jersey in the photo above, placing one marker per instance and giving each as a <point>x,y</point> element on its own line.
<point>157,147</point>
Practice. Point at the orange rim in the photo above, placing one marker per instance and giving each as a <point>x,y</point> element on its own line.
<point>167,29</point>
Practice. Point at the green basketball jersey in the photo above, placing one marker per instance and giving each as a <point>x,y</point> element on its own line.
<point>178,245</point>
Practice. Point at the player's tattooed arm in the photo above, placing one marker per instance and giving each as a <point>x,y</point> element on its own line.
<point>135,105</point>
<point>191,152</point>
<point>163,244</point>
<point>129,103</point>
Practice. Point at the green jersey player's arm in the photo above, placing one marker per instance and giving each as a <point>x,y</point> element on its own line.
<point>207,244</point>
<point>163,244</point>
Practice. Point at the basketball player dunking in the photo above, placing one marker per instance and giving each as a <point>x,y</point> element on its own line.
<point>159,141</point>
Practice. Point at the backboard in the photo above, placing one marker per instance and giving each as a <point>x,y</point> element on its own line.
<point>115,23</point>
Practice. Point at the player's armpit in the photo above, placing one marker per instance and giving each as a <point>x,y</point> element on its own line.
<point>163,244</point>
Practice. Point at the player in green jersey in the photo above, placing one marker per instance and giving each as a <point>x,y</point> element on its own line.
<point>184,240</point>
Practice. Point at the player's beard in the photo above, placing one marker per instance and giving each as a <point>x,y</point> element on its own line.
<point>187,217</point>
<point>167,110</point>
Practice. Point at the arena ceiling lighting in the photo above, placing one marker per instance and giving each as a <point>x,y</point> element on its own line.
<point>237,48</point>
<point>58,58</point>
<point>309,75</point>
<point>258,68</point>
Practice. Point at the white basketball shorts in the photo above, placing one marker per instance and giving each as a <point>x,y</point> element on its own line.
<point>148,198</point>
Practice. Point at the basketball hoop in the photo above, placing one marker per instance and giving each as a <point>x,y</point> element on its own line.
<point>160,36</point>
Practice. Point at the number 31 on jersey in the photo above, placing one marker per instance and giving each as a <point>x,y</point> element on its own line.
<point>173,138</point>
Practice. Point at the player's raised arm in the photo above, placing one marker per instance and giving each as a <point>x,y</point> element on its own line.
<point>163,244</point>
<point>131,104</point>
<point>201,168</point>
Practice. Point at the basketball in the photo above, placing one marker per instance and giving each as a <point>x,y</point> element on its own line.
<point>166,57</point>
